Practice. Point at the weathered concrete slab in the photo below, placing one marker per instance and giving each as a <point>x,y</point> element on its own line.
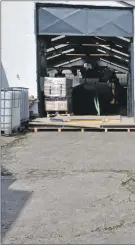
<point>69,188</point>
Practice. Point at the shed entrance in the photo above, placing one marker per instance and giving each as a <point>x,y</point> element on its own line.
<point>109,30</point>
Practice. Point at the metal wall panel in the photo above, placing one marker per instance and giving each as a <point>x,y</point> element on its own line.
<point>132,94</point>
<point>85,21</point>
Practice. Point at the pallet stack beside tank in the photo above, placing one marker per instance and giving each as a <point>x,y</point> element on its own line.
<point>58,95</point>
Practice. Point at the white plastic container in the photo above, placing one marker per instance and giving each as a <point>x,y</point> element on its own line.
<point>24,106</point>
<point>10,110</point>
<point>57,87</point>
<point>56,105</point>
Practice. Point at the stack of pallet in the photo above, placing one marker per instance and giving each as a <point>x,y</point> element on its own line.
<point>84,123</point>
<point>58,92</point>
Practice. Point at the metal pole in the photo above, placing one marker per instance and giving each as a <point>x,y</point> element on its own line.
<point>132,86</point>
<point>41,53</point>
<point>133,63</point>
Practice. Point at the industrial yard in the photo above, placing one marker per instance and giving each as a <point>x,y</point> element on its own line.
<point>82,68</point>
<point>68,122</point>
<point>68,188</point>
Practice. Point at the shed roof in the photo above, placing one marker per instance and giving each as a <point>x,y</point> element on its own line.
<point>131,3</point>
<point>114,51</point>
<point>63,50</point>
<point>109,3</point>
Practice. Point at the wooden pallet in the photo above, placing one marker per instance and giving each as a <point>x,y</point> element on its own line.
<point>119,129</point>
<point>80,129</point>
<point>91,118</point>
<point>53,114</point>
<point>59,130</point>
<point>86,124</point>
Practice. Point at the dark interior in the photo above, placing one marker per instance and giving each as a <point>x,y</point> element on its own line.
<point>102,64</point>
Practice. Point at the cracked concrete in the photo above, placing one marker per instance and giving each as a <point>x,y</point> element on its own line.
<point>69,188</point>
<point>110,228</point>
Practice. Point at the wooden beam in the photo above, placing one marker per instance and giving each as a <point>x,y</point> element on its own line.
<point>83,55</point>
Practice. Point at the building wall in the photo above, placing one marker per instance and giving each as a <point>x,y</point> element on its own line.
<point>19,41</point>
<point>18,45</point>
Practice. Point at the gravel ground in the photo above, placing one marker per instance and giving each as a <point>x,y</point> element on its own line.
<point>75,188</point>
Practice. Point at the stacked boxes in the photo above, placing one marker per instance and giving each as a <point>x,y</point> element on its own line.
<point>56,105</point>
<point>58,92</point>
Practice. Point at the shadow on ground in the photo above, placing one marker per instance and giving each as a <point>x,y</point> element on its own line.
<point>12,202</point>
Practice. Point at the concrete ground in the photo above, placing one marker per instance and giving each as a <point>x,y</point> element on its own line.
<point>69,188</point>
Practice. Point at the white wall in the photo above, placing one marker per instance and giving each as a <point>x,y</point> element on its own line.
<point>18,45</point>
<point>19,42</point>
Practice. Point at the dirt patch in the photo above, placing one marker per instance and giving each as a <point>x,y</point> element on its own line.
<point>5,172</point>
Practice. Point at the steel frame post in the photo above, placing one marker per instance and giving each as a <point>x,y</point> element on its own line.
<point>133,64</point>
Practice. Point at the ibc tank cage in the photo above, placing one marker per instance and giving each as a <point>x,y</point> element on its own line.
<point>10,110</point>
<point>24,103</point>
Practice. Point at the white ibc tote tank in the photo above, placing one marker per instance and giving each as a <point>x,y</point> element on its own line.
<point>10,110</point>
<point>24,103</point>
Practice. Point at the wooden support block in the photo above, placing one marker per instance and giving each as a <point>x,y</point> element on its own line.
<point>106,130</point>
<point>82,130</point>
<point>105,120</point>
<point>128,130</point>
<point>35,130</point>
<point>59,130</point>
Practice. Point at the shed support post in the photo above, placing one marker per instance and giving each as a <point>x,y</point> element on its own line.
<point>131,81</point>
<point>133,61</point>
<point>42,72</point>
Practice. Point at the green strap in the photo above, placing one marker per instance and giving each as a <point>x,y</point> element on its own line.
<point>97,106</point>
